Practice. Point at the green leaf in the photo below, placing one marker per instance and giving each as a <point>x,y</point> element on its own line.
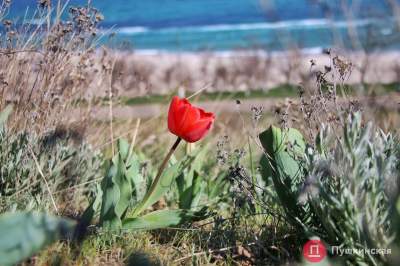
<point>191,196</point>
<point>125,189</point>
<point>117,186</point>
<point>5,114</point>
<point>111,195</point>
<point>88,214</point>
<point>123,148</point>
<point>218,187</point>
<point>136,179</point>
<point>162,219</point>
<point>165,183</point>
<point>25,233</point>
<point>285,150</point>
<point>189,183</point>
<point>185,179</point>
<point>198,161</point>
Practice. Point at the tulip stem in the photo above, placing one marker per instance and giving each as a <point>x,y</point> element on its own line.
<point>164,163</point>
<point>158,176</point>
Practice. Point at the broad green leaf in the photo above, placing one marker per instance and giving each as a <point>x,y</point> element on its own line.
<point>162,219</point>
<point>198,189</point>
<point>218,186</point>
<point>189,183</point>
<point>117,186</point>
<point>181,183</point>
<point>123,148</point>
<point>165,182</point>
<point>124,185</point>
<point>153,196</point>
<point>25,233</point>
<point>198,161</point>
<point>191,196</point>
<point>285,150</point>
<point>136,179</point>
<point>111,195</point>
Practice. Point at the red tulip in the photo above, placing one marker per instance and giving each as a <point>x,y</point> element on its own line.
<point>187,121</point>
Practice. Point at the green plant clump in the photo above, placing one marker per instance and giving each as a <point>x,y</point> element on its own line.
<point>341,188</point>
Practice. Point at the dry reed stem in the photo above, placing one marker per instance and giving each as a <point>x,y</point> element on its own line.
<point>44,179</point>
<point>133,141</point>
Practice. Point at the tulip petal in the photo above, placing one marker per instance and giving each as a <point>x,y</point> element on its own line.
<point>192,115</point>
<point>172,119</point>
<point>198,130</point>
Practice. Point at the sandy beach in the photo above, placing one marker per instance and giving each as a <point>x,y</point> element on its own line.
<point>137,74</point>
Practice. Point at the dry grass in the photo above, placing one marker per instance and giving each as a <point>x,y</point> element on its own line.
<point>48,66</point>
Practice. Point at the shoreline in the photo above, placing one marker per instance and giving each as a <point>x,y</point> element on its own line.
<point>223,53</point>
<point>316,50</point>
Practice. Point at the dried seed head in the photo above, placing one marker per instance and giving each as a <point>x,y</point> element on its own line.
<point>328,69</point>
<point>99,17</point>
<point>327,51</point>
<point>44,3</point>
<point>240,153</point>
<point>7,23</point>
<point>222,152</point>
<point>257,113</point>
<point>343,67</point>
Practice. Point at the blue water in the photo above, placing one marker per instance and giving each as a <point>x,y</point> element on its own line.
<point>225,25</point>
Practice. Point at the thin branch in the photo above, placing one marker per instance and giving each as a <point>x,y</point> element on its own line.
<point>199,91</point>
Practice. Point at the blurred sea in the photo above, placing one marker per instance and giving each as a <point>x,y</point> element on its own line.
<point>228,25</point>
